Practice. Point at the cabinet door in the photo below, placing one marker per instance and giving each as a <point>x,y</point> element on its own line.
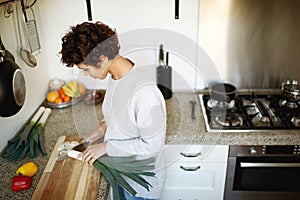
<point>191,181</point>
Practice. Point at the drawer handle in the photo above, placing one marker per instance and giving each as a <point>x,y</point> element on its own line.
<point>190,155</point>
<point>190,168</point>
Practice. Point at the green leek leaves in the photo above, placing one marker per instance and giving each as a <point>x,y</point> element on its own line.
<point>116,168</point>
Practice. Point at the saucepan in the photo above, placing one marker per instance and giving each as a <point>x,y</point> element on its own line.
<point>12,84</point>
<point>222,92</point>
<point>291,90</point>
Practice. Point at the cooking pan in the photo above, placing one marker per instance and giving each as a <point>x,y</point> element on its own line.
<point>222,92</point>
<point>291,90</point>
<point>12,84</point>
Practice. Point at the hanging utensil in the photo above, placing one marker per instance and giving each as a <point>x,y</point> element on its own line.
<point>32,34</point>
<point>26,55</point>
<point>31,29</point>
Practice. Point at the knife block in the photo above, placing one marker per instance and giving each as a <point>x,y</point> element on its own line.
<point>164,81</point>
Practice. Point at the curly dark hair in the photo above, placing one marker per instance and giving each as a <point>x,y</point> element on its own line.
<point>86,42</point>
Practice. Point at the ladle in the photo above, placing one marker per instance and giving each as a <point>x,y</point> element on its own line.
<point>26,55</point>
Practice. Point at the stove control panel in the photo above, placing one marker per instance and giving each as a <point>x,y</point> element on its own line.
<point>264,150</point>
<point>281,149</point>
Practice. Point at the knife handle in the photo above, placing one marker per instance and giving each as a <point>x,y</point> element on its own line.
<point>167,59</point>
<point>74,154</point>
<point>161,55</point>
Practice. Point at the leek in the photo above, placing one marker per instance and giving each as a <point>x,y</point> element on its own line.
<point>36,140</point>
<point>115,168</point>
<point>19,145</point>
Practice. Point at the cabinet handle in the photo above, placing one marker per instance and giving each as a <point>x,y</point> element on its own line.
<point>190,168</point>
<point>190,155</point>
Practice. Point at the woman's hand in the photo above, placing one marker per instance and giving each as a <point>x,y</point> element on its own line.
<point>93,152</point>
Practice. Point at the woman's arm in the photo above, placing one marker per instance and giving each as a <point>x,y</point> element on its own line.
<point>96,150</point>
<point>97,134</point>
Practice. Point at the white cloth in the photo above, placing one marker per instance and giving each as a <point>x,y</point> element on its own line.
<point>135,115</point>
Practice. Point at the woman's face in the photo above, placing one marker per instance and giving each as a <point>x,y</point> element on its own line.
<point>100,71</point>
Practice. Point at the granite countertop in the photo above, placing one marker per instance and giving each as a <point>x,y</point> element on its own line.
<point>181,129</point>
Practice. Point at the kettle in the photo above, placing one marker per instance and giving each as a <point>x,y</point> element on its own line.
<point>12,84</point>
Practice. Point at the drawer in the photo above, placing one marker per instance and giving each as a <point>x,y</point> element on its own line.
<point>204,181</point>
<point>196,153</point>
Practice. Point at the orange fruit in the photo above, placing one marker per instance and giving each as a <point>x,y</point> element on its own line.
<point>62,95</point>
<point>58,100</point>
<point>67,98</point>
<point>52,96</point>
<point>61,91</point>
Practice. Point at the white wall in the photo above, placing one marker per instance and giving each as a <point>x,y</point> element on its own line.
<point>36,78</point>
<point>128,17</point>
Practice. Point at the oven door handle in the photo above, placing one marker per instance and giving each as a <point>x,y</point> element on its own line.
<point>246,164</point>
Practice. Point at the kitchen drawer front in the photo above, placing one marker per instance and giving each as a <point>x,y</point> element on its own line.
<point>196,153</point>
<point>205,182</point>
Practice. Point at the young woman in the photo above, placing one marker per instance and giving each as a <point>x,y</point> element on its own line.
<point>134,109</point>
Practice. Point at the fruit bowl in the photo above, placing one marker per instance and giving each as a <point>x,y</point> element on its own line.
<point>69,94</point>
<point>73,101</point>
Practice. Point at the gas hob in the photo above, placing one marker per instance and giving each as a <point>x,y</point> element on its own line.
<point>250,112</point>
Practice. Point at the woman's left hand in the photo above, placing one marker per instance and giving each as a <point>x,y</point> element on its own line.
<point>93,152</point>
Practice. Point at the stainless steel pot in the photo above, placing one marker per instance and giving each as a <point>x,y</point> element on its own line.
<point>222,92</point>
<point>12,84</point>
<point>291,90</point>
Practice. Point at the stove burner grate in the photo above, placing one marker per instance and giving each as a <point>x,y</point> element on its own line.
<point>288,104</point>
<point>219,104</point>
<point>229,120</point>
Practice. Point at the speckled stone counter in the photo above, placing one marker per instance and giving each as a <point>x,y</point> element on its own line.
<point>181,129</point>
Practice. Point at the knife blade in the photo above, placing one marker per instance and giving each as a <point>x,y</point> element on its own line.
<point>81,147</point>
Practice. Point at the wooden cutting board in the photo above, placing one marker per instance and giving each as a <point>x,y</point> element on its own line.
<point>67,179</point>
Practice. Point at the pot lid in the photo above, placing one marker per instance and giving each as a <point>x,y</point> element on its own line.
<point>19,89</point>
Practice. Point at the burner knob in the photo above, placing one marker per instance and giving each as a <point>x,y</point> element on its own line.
<point>252,151</point>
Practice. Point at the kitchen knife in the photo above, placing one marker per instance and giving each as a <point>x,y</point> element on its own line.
<point>161,55</point>
<point>66,147</point>
<point>74,154</point>
<point>167,60</point>
<point>81,147</point>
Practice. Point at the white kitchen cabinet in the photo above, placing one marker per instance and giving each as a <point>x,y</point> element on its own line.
<point>195,172</point>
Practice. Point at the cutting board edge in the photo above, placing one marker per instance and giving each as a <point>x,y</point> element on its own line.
<point>54,154</point>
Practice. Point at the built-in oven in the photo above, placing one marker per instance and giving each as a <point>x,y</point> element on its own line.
<point>263,173</point>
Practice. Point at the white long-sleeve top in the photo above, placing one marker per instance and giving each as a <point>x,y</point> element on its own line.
<point>135,115</point>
